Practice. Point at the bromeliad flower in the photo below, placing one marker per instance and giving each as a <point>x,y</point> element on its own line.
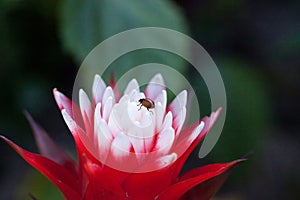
<point>126,151</point>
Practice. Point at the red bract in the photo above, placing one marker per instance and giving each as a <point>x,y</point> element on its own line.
<point>124,152</point>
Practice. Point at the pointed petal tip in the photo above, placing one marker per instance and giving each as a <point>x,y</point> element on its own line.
<point>155,86</point>
<point>158,79</point>
<point>81,92</point>
<point>196,132</point>
<point>97,76</point>
<point>27,115</point>
<point>247,155</point>
<point>11,144</point>
<point>3,137</point>
<point>61,100</point>
<point>132,85</point>
<point>57,94</point>
<point>238,161</point>
<point>219,110</point>
<point>157,76</point>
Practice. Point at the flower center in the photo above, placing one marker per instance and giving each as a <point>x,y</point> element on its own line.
<point>135,123</point>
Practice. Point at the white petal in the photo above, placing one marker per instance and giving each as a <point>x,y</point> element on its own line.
<point>70,122</point>
<point>165,141</point>
<point>98,89</point>
<point>135,96</point>
<point>104,139</point>
<point>97,118</point>
<point>178,108</point>
<point>209,121</point>
<point>78,132</point>
<point>160,113</point>
<point>86,110</point>
<point>108,93</point>
<point>195,134</point>
<point>166,160</point>
<point>97,114</point>
<point>132,85</point>
<point>107,108</point>
<point>140,127</point>
<point>167,121</point>
<point>120,147</point>
<point>179,120</point>
<point>115,123</point>
<point>178,102</point>
<point>155,86</point>
<point>162,98</point>
<point>62,101</point>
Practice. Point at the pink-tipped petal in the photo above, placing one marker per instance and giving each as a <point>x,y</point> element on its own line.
<point>98,89</point>
<point>62,101</point>
<point>194,134</point>
<point>155,86</point>
<point>79,134</point>
<point>184,142</point>
<point>209,121</point>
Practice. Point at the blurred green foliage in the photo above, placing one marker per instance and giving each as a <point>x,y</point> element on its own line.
<point>84,24</point>
<point>36,185</point>
<point>248,118</point>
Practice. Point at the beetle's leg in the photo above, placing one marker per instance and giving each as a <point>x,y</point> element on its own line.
<point>140,107</point>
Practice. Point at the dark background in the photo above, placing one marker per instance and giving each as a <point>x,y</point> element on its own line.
<point>255,45</point>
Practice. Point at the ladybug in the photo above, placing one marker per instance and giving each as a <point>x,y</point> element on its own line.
<point>147,103</point>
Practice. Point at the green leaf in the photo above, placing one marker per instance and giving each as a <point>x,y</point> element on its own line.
<point>84,24</point>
